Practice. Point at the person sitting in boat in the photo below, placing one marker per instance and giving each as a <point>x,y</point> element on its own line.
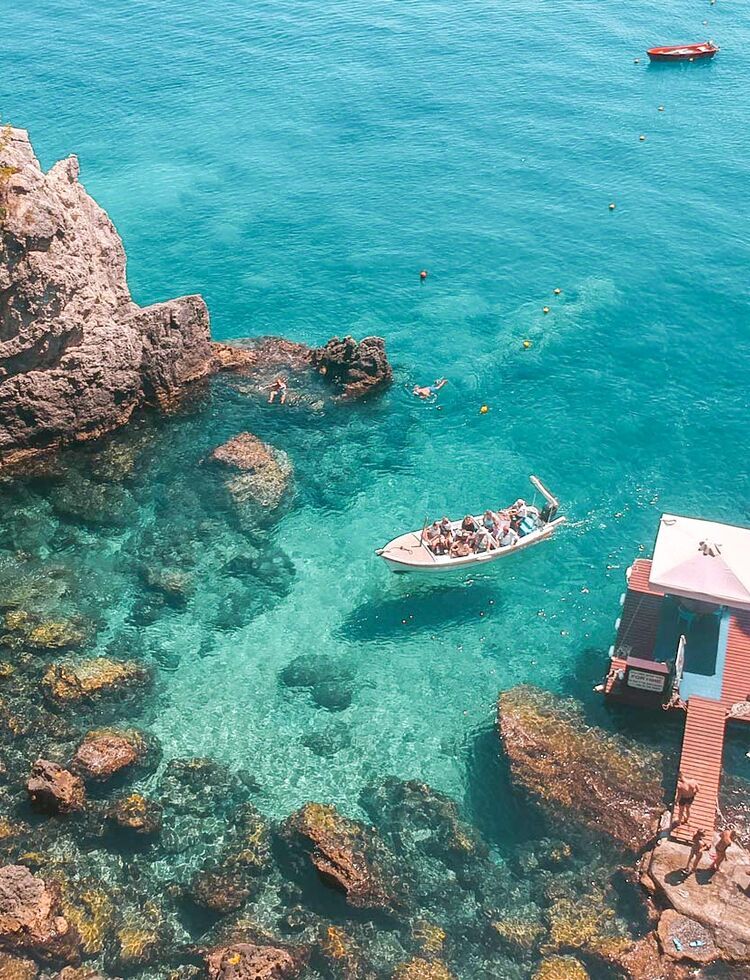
<point>434,538</point>
<point>485,540</point>
<point>510,536</point>
<point>469,524</point>
<point>461,547</point>
<point>446,532</point>
<point>490,522</point>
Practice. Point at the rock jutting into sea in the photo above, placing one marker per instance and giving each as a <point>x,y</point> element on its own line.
<point>77,355</point>
<point>578,773</point>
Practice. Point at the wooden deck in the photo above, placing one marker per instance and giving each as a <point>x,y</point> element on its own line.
<point>705,729</point>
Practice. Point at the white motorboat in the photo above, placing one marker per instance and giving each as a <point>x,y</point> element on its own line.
<point>410,552</point>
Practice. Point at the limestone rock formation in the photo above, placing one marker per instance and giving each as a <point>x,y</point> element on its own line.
<point>77,355</point>
<point>356,368</point>
<point>263,473</point>
<point>92,680</point>
<point>54,789</point>
<point>104,752</point>
<point>253,961</point>
<point>136,814</point>
<point>579,774</point>
<point>347,855</point>
<point>31,919</point>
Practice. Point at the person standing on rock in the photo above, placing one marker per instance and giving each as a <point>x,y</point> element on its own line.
<point>701,845</point>
<point>726,838</point>
<point>687,790</point>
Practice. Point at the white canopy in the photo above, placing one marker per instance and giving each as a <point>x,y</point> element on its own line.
<point>702,560</point>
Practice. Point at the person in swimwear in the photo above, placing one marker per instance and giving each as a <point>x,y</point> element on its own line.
<point>700,845</point>
<point>725,841</point>
<point>429,391</point>
<point>278,387</point>
<point>687,790</point>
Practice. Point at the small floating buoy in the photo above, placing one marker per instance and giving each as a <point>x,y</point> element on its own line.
<point>557,291</point>
<point>636,61</point>
<point>641,138</point>
<point>423,274</point>
<point>483,410</point>
<point>705,23</point>
<point>527,344</point>
<point>661,108</point>
<point>612,206</point>
<point>545,309</point>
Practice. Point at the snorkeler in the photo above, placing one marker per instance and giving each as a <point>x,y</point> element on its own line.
<point>429,391</point>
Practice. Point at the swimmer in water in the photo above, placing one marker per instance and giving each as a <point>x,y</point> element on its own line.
<point>429,391</point>
<point>278,388</point>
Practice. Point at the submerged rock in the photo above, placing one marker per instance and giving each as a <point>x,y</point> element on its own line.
<point>421,969</point>
<point>561,968</point>
<point>106,751</point>
<point>137,814</point>
<point>329,681</point>
<point>93,680</point>
<point>31,919</point>
<point>346,854</point>
<point>356,369</point>
<point>576,772</point>
<point>264,472</point>
<point>252,961</point>
<point>17,968</point>
<point>77,355</point>
<point>221,890</point>
<point>54,789</point>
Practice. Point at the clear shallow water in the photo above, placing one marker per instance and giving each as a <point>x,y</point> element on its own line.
<point>297,164</point>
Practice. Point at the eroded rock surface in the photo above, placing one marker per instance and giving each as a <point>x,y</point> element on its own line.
<point>346,854</point>
<point>77,355</point>
<point>93,680</point>
<point>54,789</point>
<point>104,752</point>
<point>31,919</point>
<point>253,961</point>
<point>262,473</point>
<point>578,773</point>
<point>356,368</point>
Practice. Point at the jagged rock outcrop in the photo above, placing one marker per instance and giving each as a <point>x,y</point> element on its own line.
<point>576,773</point>
<point>255,961</point>
<point>107,751</point>
<point>31,919</point>
<point>356,368</point>
<point>347,855</point>
<point>54,789</point>
<point>77,355</point>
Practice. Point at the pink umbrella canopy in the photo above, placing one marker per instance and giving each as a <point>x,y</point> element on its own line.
<point>702,560</point>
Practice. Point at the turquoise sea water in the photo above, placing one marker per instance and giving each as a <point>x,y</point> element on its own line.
<point>298,163</point>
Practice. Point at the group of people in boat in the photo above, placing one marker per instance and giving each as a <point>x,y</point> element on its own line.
<point>494,530</point>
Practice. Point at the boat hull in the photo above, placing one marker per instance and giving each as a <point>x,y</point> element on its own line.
<point>407,554</point>
<point>685,52</point>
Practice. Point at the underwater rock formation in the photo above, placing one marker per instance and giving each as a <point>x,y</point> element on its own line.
<point>578,773</point>
<point>54,789</point>
<point>77,355</point>
<point>93,680</point>
<point>31,919</point>
<point>329,680</point>
<point>347,855</point>
<point>106,751</point>
<point>264,472</point>
<point>253,961</point>
<point>136,813</point>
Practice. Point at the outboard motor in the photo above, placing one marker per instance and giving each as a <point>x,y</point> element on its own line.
<point>548,512</point>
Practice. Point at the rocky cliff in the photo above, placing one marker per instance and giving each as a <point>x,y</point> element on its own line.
<point>77,355</point>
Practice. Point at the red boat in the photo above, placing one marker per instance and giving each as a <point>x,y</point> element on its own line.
<point>683,52</point>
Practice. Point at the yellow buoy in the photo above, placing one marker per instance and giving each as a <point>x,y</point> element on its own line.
<point>557,291</point>
<point>545,309</point>
<point>612,206</point>
<point>527,344</point>
<point>483,410</point>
